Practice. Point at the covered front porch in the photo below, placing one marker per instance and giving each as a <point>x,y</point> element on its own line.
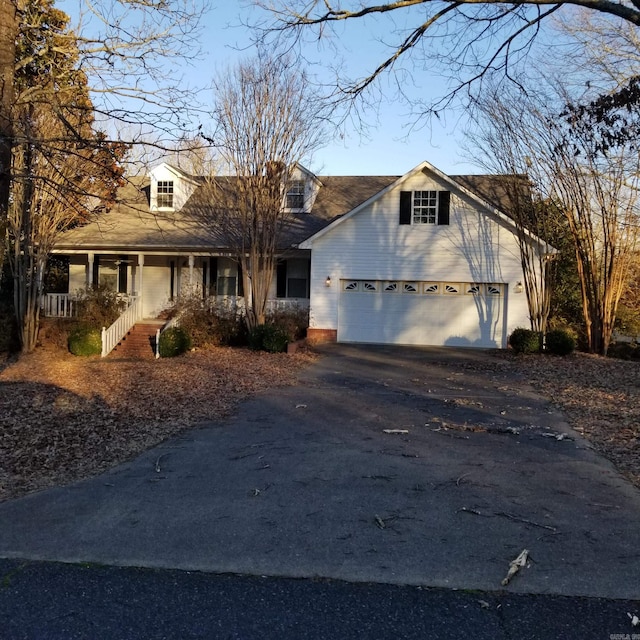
<point>154,283</point>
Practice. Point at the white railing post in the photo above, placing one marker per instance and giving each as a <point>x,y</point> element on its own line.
<point>118,330</point>
<point>157,344</point>
<point>58,305</point>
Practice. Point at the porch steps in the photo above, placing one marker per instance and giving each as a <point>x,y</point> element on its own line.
<point>139,343</point>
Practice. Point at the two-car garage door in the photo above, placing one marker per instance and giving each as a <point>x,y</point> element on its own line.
<point>422,313</point>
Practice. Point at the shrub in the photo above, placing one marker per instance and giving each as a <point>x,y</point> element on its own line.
<point>294,320</point>
<point>525,341</point>
<point>85,340</point>
<point>560,342</point>
<point>268,337</point>
<point>8,331</point>
<point>211,325</point>
<point>99,306</point>
<point>174,341</point>
<point>624,350</point>
<point>627,321</point>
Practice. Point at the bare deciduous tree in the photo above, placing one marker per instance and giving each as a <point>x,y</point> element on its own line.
<point>61,167</point>
<point>597,191</point>
<point>499,148</point>
<point>266,120</point>
<point>465,40</point>
<point>8,28</point>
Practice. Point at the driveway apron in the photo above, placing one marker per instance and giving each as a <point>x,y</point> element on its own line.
<point>412,466</point>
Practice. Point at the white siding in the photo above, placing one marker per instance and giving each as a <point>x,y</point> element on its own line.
<point>77,274</point>
<point>182,187</point>
<point>474,247</point>
<point>155,286</point>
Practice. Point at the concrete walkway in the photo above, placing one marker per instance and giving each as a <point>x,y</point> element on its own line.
<point>305,482</point>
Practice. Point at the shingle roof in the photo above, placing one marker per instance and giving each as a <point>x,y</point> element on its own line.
<point>131,226</point>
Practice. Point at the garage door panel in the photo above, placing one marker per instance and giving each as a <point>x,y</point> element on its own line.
<point>461,319</point>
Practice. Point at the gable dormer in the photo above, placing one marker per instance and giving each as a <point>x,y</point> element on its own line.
<point>302,190</point>
<point>170,188</point>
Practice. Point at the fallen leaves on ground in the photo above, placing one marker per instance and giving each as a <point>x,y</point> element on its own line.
<point>63,418</point>
<point>600,398</point>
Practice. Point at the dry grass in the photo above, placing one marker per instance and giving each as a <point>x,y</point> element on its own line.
<point>64,418</point>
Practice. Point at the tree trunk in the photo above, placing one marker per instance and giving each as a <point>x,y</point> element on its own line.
<point>8,31</point>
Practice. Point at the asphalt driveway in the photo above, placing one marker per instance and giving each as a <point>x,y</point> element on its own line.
<point>396,465</point>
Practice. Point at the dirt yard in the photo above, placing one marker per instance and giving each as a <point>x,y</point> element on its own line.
<point>63,418</point>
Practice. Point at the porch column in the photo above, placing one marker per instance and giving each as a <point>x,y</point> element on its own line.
<point>90,257</point>
<point>140,283</point>
<point>192,262</point>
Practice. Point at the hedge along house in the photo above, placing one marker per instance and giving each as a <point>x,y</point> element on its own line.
<point>422,259</point>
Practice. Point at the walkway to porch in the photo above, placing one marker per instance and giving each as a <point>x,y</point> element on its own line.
<point>139,342</point>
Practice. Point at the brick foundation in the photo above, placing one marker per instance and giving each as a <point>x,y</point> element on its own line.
<point>320,336</point>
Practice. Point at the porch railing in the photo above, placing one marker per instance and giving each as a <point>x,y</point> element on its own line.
<point>59,305</point>
<point>119,329</point>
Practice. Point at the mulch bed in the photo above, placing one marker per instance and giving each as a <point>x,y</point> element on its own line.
<point>63,418</point>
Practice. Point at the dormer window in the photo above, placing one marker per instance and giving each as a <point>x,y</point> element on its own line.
<point>295,195</point>
<point>165,194</point>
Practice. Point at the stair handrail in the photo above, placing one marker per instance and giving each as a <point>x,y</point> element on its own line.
<point>119,329</point>
<point>174,322</point>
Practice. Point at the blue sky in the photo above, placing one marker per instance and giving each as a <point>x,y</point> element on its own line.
<point>388,146</point>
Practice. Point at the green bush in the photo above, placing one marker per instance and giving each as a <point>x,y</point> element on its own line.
<point>525,341</point>
<point>268,337</point>
<point>85,340</point>
<point>560,342</point>
<point>627,321</point>
<point>174,341</point>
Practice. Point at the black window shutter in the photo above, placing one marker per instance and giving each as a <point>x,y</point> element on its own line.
<point>240,282</point>
<point>213,276</point>
<point>205,266</point>
<point>122,274</point>
<point>444,199</point>
<point>405,207</point>
<point>96,271</point>
<point>281,279</point>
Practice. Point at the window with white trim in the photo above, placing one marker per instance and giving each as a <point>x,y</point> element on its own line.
<point>295,195</point>
<point>425,207</point>
<point>164,194</point>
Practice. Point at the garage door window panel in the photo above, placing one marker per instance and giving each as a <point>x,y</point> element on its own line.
<point>410,287</point>
<point>350,285</point>
<point>431,288</point>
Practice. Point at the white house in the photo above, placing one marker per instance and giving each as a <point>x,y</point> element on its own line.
<point>418,259</point>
